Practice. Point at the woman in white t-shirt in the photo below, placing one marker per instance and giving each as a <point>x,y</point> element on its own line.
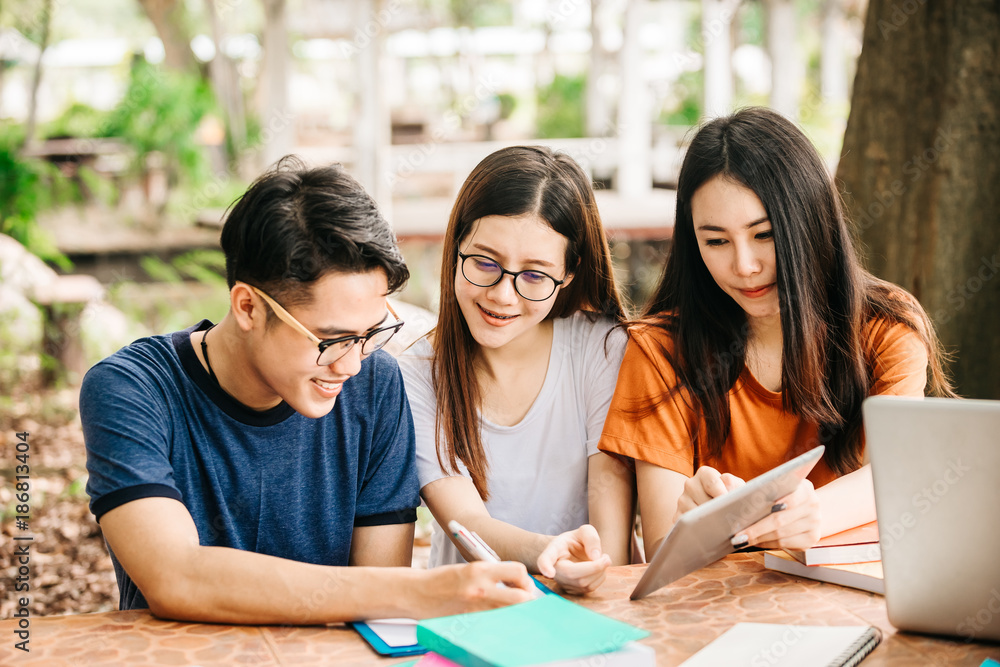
<point>510,391</point>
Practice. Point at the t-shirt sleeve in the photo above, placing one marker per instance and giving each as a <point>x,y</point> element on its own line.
<point>389,492</point>
<point>648,420</point>
<point>126,430</point>
<point>416,368</point>
<point>900,361</point>
<point>602,358</point>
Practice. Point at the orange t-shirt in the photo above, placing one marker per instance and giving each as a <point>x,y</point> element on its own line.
<point>762,435</point>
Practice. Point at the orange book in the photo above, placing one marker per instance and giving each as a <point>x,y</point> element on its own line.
<point>865,576</point>
<point>856,545</point>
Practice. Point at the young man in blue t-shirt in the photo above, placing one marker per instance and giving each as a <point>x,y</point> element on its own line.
<point>237,468</point>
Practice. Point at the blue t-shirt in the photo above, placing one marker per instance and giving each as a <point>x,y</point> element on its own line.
<point>274,482</point>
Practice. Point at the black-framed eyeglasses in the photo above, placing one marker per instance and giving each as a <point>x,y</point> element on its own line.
<point>333,349</point>
<point>532,285</point>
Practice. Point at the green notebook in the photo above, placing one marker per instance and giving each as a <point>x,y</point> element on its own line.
<point>545,629</point>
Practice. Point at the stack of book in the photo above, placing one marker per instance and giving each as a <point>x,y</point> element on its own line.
<point>548,630</point>
<point>851,558</point>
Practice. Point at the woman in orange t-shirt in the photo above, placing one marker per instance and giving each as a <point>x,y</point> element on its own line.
<point>761,341</point>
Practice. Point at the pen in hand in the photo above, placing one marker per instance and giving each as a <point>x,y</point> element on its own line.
<point>476,546</point>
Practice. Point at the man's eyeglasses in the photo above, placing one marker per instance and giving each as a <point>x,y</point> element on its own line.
<point>332,349</point>
<point>532,285</point>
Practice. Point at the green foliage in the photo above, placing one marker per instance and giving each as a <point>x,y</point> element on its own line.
<point>160,271</point>
<point>28,186</point>
<point>508,102</point>
<point>752,23</point>
<point>77,489</point>
<point>561,107</point>
<point>472,13</point>
<point>206,266</point>
<point>81,121</point>
<point>683,107</point>
<point>99,187</point>
<point>161,112</point>
<point>20,329</point>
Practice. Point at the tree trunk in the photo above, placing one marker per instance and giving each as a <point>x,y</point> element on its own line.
<point>167,17</point>
<point>920,169</point>
<point>36,78</point>
<point>226,83</point>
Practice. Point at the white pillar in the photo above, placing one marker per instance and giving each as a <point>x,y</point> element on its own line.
<point>635,127</point>
<point>716,19</point>
<point>598,121</point>
<point>785,62</point>
<point>833,69</point>
<point>373,127</point>
<point>277,120</point>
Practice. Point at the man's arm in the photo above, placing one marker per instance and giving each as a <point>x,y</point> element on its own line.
<point>384,546</point>
<point>156,541</point>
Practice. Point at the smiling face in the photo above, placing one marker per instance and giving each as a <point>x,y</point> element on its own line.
<point>498,315</point>
<point>737,245</point>
<point>285,359</point>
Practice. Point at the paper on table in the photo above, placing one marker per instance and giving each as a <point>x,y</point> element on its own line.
<point>753,644</point>
<point>395,632</point>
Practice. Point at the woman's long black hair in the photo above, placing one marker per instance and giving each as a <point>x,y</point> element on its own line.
<point>825,296</point>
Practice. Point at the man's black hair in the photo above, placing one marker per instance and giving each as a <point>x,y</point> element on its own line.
<point>295,224</point>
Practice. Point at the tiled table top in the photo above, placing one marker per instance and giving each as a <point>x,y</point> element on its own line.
<point>682,618</point>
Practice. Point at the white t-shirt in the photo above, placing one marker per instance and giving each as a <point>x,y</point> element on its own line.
<point>538,467</point>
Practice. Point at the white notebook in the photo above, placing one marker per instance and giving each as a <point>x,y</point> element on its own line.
<point>774,645</point>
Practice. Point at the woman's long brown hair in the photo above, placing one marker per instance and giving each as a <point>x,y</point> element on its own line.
<point>512,182</point>
<point>825,296</point>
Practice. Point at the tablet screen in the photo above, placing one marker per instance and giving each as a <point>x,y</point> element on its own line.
<point>702,536</point>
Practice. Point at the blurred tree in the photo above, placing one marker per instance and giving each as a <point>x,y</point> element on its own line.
<point>45,23</point>
<point>561,107</point>
<point>168,17</point>
<point>226,83</point>
<point>920,169</point>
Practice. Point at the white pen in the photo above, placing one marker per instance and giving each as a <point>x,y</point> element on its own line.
<point>476,546</point>
<point>472,543</point>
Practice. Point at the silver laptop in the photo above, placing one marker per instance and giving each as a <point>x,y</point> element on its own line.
<point>936,466</point>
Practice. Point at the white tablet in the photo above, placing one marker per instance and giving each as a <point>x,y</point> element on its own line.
<point>703,535</point>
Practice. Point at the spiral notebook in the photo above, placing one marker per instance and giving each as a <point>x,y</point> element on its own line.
<point>775,645</point>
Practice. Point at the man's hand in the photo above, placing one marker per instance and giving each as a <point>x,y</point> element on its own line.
<point>456,589</point>
<point>575,560</point>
